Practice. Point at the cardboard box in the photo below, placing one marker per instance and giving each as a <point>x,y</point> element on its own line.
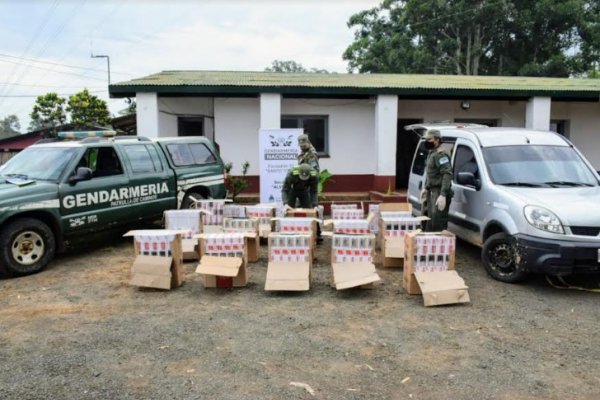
<point>223,259</point>
<point>374,215</point>
<point>222,272</point>
<point>249,225</point>
<point>264,213</point>
<point>393,230</point>
<point>189,221</point>
<point>352,261</point>
<point>290,262</point>
<point>427,252</point>
<point>444,287</point>
<point>159,261</point>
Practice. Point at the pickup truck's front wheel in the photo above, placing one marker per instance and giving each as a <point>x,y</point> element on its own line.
<point>188,200</point>
<point>26,246</point>
<point>498,257</point>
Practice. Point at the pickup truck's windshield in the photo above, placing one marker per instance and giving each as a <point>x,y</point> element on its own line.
<point>39,163</point>
<point>537,166</point>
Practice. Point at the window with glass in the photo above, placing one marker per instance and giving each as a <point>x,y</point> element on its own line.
<point>537,166</point>
<point>190,154</point>
<point>140,159</point>
<point>315,126</point>
<point>464,161</point>
<point>39,163</point>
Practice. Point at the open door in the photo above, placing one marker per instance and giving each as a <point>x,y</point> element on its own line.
<point>406,144</point>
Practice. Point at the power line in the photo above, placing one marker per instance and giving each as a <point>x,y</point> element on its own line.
<point>38,95</point>
<point>49,86</point>
<point>59,72</point>
<point>54,63</point>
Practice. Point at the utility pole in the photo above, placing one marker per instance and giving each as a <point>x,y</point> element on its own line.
<point>107,62</point>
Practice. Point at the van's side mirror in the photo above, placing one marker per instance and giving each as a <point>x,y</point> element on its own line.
<point>82,174</point>
<point>468,179</point>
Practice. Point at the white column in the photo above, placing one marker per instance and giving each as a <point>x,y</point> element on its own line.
<point>270,110</point>
<point>537,115</point>
<point>386,121</point>
<point>147,114</point>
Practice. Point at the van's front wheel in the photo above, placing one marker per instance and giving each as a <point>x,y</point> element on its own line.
<point>498,257</point>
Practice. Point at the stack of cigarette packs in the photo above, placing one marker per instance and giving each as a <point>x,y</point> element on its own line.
<point>374,212</point>
<point>352,248</point>
<point>234,211</point>
<point>351,226</point>
<point>345,213</point>
<point>399,226</point>
<point>432,252</point>
<point>295,225</point>
<point>187,221</point>
<point>224,244</point>
<point>232,225</point>
<point>215,209</point>
<point>263,213</point>
<point>153,243</point>
<point>290,248</point>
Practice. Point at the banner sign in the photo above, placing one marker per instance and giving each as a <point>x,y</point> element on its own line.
<point>278,152</point>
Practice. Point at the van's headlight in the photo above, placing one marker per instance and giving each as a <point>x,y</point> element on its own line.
<point>543,219</point>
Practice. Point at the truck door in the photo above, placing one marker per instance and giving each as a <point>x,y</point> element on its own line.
<point>152,183</point>
<point>467,209</point>
<point>92,205</point>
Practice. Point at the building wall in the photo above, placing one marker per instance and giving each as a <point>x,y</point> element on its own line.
<point>169,108</point>
<point>583,127</point>
<point>352,123</point>
<point>351,132</point>
<point>237,121</point>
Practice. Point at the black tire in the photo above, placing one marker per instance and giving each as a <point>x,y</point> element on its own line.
<point>27,245</point>
<point>498,257</point>
<point>188,201</point>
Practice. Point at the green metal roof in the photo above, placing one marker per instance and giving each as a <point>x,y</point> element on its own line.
<point>252,83</point>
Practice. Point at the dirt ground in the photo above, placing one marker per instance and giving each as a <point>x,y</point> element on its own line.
<point>78,331</point>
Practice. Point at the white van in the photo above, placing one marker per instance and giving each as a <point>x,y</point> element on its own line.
<point>529,198</point>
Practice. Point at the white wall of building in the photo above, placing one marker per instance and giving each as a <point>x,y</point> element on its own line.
<point>508,113</point>
<point>351,132</point>
<point>237,121</point>
<point>169,108</point>
<point>583,127</point>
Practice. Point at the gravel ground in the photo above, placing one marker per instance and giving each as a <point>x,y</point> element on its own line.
<point>78,331</point>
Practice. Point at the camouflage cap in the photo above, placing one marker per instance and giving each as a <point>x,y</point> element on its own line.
<point>303,138</point>
<point>304,171</point>
<point>432,133</point>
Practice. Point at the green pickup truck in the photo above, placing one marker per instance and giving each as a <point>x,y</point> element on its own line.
<point>61,192</point>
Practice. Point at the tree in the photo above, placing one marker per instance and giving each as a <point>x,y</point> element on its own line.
<point>9,126</point>
<point>472,37</point>
<point>48,112</point>
<point>86,109</point>
<point>292,66</point>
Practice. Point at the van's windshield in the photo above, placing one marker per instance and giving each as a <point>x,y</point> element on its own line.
<point>537,166</point>
<point>39,163</point>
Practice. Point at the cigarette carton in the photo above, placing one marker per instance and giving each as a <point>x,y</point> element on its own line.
<point>159,261</point>
<point>290,262</point>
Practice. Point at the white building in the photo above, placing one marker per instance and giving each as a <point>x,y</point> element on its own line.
<point>355,120</point>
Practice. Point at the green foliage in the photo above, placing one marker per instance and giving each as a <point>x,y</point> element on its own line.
<point>86,110</point>
<point>237,184</point>
<point>9,126</point>
<point>324,177</point>
<point>48,112</point>
<point>476,37</point>
<point>292,66</point>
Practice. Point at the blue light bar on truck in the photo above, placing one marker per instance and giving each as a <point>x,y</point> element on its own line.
<point>85,134</point>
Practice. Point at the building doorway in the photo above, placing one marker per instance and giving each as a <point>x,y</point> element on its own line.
<point>406,144</point>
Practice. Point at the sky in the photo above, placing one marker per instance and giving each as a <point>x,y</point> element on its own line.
<point>46,46</point>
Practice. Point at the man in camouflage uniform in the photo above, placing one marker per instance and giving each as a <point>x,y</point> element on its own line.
<point>438,193</point>
<point>308,154</point>
<point>300,184</point>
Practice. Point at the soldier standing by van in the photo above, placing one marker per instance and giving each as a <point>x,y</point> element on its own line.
<point>437,194</point>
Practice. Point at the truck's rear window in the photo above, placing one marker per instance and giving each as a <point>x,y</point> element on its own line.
<point>190,154</point>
